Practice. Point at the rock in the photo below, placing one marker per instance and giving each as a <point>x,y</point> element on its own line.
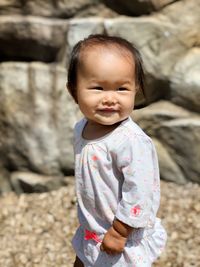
<point>150,118</point>
<point>37,111</point>
<point>159,121</point>
<point>5,185</point>
<point>169,170</point>
<point>97,10</point>
<point>28,38</point>
<point>185,81</point>
<point>82,27</point>
<point>46,8</point>
<point>137,7</point>
<point>182,138</point>
<point>26,182</point>
<point>35,108</point>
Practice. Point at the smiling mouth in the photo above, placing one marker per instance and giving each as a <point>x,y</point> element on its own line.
<point>108,110</point>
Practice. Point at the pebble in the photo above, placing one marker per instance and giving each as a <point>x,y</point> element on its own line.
<point>36,229</point>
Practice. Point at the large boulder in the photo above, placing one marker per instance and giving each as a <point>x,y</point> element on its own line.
<point>27,38</point>
<point>5,185</point>
<point>37,117</point>
<point>151,117</point>
<point>176,133</point>
<point>169,169</point>
<point>137,7</point>
<point>37,114</point>
<point>182,138</point>
<point>46,8</point>
<point>185,81</point>
<point>32,182</point>
<point>97,10</point>
<point>82,27</point>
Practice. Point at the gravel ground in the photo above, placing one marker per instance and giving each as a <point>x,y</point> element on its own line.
<point>36,229</point>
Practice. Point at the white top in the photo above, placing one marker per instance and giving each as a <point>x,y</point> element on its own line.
<point>117,175</point>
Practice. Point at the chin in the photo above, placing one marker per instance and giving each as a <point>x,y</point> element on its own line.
<point>108,123</point>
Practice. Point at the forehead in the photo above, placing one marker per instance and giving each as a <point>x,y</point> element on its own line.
<point>105,50</point>
<point>106,66</point>
<point>96,54</point>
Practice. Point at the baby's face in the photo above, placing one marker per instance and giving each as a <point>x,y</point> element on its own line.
<point>106,85</point>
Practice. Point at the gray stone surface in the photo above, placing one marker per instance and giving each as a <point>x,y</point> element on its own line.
<point>185,81</point>
<point>81,28</point>
<point>151,117</point>
<point>27,182</point>
<point>46,8</point>
<point>169,170</point>
<point>176,134</point>
<point>137,7</point>
<point>182,138</point>
<point>37,116</point>
<point>28,38</point>
<point>35,109</point>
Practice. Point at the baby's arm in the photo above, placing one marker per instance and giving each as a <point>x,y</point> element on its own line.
<point>115,238</point>
<point>136,159</point>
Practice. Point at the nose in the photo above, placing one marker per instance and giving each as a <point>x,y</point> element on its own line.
<point>109,98</point>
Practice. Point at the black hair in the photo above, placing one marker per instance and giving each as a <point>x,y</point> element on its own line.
<point>103,40</point>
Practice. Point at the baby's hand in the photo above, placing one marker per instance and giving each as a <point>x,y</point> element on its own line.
<point>113,242</point>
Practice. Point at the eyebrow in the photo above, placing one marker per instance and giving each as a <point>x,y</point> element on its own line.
<point>105,81</point>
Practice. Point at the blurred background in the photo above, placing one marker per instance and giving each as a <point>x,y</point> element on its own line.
<point>37,115</point>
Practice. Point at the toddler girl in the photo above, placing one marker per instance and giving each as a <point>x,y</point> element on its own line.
<point>116,166</point>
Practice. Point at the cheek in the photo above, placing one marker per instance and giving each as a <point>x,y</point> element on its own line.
<point>128,102</point>
<point>86,103</point>
<point>87,98</point>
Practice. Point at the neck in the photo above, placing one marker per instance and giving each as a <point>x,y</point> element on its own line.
<point>93,130</point>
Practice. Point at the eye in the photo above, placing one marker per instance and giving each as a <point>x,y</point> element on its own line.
<point>122,89</point>
<point>97,88</point>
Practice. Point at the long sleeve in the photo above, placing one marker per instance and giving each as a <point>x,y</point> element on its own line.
<point>137,161</point>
